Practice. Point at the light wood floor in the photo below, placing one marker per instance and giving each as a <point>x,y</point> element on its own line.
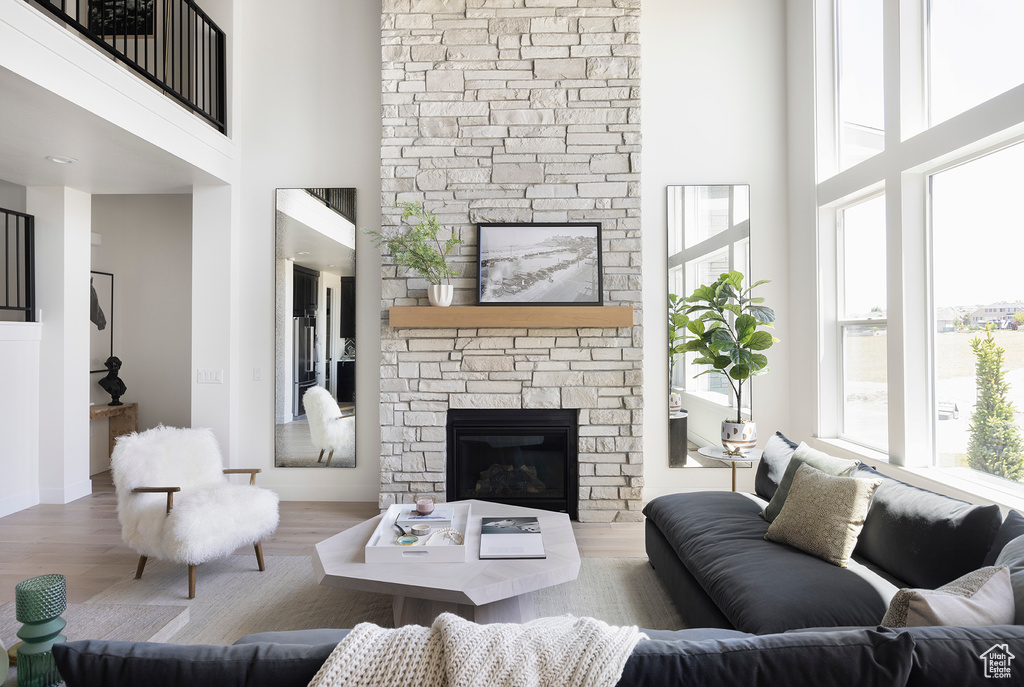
<point>82,540</point>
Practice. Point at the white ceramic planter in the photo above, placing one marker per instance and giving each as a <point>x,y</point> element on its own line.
<point>675,401</point>
<point>738,437</point>
<point>440,294</point>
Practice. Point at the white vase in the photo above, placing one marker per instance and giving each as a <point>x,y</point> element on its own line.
<point>440,294</point>
<point>738,437</point>
<point>675,402</point>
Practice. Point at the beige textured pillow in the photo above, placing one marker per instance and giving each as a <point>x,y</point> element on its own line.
<point>982,597</point>
<point>830,465</point>
<point>823,515</point>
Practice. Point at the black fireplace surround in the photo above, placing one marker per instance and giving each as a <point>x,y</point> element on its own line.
<point>519,457</point>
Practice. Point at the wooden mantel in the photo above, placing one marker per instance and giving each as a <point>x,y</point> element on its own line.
<point>490,316</point>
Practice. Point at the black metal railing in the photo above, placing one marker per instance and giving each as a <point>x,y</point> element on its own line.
<point>341,200</point>
<point>171,43</point>
<point>19,287</point>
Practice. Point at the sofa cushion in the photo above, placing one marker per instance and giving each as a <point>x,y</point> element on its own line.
<point>951,656</point>
<point>758,585</point>
<point>1012,556</point>
<point>312,637</point>
<point>982,597</point>
<point>1012,527</point>
<point>823,514</point>
<point>864,657</point>
<point>925,538</point>
<point>816,459</point>
<point>774,459</point>
<point>94,663</point>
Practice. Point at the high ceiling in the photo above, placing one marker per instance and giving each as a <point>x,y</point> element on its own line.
<point>35,123</point>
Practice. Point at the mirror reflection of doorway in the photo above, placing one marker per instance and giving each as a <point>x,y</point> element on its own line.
<point>315,322</point>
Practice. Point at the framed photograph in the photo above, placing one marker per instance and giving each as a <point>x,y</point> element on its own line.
<point>540,264</point>
<point>112,18</point>
<point>101,320</point>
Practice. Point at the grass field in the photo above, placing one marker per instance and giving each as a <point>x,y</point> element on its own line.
<point>866,399</point>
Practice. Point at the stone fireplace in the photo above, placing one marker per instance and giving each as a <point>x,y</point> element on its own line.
<point>509,111</point>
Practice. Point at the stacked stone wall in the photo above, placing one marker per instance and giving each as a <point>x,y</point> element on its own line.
<point>514,111</point>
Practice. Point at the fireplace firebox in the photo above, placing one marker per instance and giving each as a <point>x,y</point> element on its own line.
<point>519,457</point>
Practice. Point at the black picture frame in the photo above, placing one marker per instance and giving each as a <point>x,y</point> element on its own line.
<point>101,320</point>
<point>122,18</point>
<point>539,263</point>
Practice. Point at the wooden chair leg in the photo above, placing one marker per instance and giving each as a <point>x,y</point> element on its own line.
<point>329,456</point>
<point>191,581</point>
<point>259,555</point>
<point>142,566</point>
<point>321,457</point>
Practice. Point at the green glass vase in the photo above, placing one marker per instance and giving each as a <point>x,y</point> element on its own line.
<point>38,603</point>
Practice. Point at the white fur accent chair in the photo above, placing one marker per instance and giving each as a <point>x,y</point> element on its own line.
<point>328,431</point>
<point>211,516</point>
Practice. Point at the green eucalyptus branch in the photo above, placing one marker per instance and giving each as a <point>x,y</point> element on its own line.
<point>420,248</point>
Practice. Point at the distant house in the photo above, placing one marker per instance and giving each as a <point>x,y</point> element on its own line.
<point>998,313</point>
<point>945,319</point>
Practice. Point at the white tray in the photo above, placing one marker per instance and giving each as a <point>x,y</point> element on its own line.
<point>381,547</point>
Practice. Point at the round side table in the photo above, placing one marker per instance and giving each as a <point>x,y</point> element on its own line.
<point>718,453</point>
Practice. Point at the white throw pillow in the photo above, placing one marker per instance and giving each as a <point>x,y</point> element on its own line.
<point>982,597</point>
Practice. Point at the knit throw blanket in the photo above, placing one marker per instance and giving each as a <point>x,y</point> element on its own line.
<point>455,652</point>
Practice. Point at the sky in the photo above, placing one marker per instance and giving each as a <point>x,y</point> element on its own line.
<point>974,53</point>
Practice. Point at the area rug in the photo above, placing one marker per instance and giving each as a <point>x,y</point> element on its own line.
<point>233,599</point>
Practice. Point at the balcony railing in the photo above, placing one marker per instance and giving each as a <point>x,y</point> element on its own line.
<point>18,292</point>
<point>341,200</point>
<point>172,43</point>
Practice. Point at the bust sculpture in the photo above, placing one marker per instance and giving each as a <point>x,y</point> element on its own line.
<point>112,384</point>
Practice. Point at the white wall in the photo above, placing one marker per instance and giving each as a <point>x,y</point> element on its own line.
<point>146,243</point>
<point>12,196</point>
<point>19,416</point>
<point>714,112</point>
<point>310,117</point>
<point>62,226</point>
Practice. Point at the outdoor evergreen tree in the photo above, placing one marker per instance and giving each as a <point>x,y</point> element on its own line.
<point>995,446</point>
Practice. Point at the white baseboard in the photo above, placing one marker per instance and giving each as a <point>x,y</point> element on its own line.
<point>67,494</point>
<point>18,502</point>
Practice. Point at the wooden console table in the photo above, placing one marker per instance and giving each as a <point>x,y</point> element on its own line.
<point>124,419</point>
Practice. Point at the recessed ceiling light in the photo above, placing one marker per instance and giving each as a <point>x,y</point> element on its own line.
<point>61,160</point>
<point>332,265</point>
<point>303,252</point>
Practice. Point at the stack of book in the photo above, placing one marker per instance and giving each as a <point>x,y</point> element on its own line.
<point>439,519</point>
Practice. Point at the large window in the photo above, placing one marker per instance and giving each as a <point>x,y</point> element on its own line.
<point>974,53</point>
<point>920,298</point>
<point>862,324</point>
<point>979,314</point>
<point>859,77</point>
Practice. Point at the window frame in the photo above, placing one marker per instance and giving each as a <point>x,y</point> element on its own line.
<point>912,152</point>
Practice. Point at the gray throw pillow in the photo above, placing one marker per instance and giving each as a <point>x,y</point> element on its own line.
<point>823,514</point>
<point>830,465</point>
<point>1012,556</point>
<point>982,597</point>
<point>774,459</point>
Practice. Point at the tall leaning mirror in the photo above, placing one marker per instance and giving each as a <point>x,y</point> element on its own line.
<point>708,234</point>
<point>314,381</point>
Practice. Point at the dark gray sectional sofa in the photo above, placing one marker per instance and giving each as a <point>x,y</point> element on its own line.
<point>865,657</point>
<point>708,549</point>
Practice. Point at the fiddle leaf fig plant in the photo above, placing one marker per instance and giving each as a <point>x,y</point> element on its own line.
<point>421,248</point>
<point>720,323</point>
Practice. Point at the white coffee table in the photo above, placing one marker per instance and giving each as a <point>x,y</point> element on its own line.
<point>486,591</point>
